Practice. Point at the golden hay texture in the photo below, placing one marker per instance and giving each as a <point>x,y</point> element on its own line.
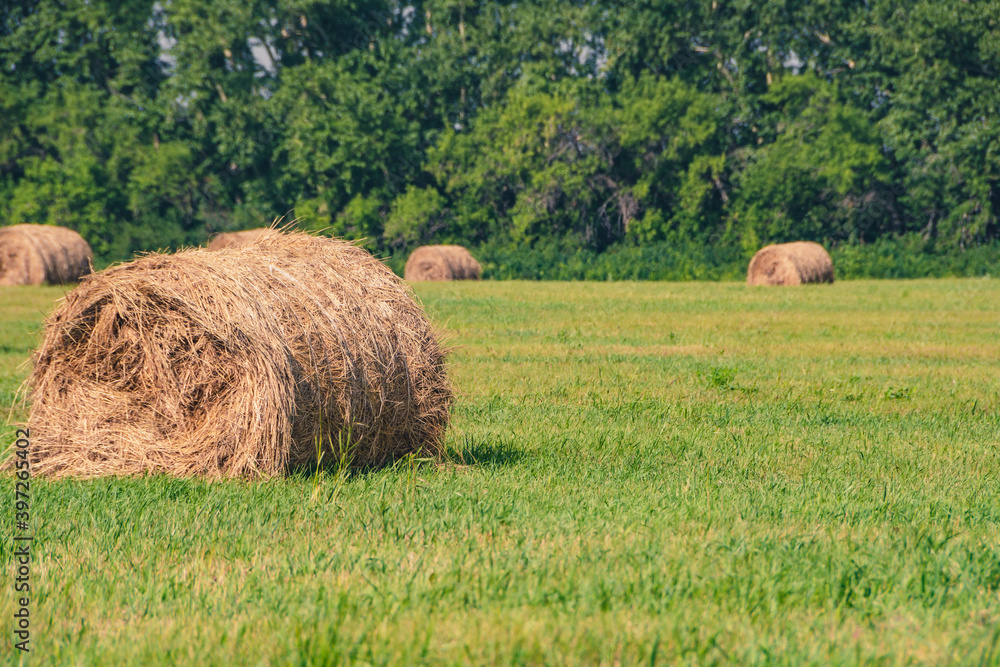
<point>228,239</point>
<point>442,262</point>
<point>790,264</point>
<point>236,363</point>
<point>40,254</point>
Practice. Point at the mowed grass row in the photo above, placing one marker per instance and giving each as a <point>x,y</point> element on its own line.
<point>638,473</point>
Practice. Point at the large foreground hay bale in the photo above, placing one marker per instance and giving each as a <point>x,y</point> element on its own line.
<point>442,262</point>
<point>231,239</point>
<point>790,264</point>
<point>237,363</point>
<point>42,254</point>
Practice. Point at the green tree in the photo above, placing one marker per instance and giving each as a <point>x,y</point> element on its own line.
<point>812,180</point>
<point>935,66</point>
<point>563,159</point>
<point>83,144</point>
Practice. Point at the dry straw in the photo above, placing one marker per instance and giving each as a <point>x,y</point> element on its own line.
<point>790,264</point>
<point>237,363</point>
<point>442,262</point>
<point>229,239</point>
<point>42,254</point>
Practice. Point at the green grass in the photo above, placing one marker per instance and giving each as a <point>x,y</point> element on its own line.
<point>639,473</point>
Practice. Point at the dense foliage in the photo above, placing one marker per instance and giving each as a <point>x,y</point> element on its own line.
<point>702,129</point>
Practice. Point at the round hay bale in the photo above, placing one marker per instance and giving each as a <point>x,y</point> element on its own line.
<point>240,362</point>
<point>790,264</point>
<point>442,262</point>
<point>230,239</point>
<point>42,254</point>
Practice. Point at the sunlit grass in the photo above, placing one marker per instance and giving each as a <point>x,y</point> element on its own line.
<point>694,473</point>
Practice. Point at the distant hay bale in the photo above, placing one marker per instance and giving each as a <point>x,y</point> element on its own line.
<point>42,254</point>
<point>231,239</point>
<point>790,264</point>
<point>442,262</point>
<point>237,363</point>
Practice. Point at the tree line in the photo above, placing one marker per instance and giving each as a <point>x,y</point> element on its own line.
<point>589,125</point>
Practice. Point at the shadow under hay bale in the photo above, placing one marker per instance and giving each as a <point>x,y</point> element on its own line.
<point>790,264</point>
<point>233,239</point>
<point>237,363</point>
<point>42,254</point>
<point>442,262</point>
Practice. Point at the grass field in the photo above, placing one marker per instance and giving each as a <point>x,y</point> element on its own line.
<point>657,473</point>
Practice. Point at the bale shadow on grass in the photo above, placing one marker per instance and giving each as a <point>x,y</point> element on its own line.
<point>470,452</point>
<point>487,452</point>
<point>332,468</point>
